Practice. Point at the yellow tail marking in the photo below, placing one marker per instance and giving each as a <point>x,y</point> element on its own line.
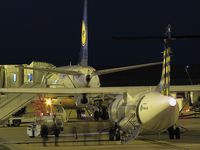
<point>84,34</point>
<point>165,79</point>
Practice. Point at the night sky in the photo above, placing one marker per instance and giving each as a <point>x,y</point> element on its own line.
<point>49,30</point>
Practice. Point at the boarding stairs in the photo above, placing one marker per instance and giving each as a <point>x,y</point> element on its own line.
<point>13,102</point>
<point>130,124</point>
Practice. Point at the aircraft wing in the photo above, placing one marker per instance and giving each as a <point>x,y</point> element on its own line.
<point>74,91</point>
<point>98,90</point>
<point>52,70</point>
<point>119,69</point>
<point>98,72</point>
<point>184,88</point>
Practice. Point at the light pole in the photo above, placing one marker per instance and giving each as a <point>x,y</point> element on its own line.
<point>186,70</point>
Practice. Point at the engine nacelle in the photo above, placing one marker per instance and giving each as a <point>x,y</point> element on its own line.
<point>157,112</point>
<point>79,100</point>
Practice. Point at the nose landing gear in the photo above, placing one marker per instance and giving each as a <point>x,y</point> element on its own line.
<point>84,99</point>
<point>174,132</point>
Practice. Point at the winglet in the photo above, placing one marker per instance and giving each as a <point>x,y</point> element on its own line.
<point>84,38</point>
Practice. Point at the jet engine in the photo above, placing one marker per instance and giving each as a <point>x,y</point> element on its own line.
<point>81,100</point>
<point>157,112</point>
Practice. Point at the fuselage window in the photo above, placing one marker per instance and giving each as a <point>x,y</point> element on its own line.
<point>14,77</point>
<point>30,77</point>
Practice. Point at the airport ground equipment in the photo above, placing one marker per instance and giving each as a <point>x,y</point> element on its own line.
<point>14,102</point>
<point>51,122</point>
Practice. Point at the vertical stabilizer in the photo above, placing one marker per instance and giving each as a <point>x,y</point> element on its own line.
<point>164,84</point>
<point>84,38</point>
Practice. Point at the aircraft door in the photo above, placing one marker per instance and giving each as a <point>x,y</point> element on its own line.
<point>2,77</point>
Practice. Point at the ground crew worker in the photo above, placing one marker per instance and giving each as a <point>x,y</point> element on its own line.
<point>56,133</point>
<point>44,134</point>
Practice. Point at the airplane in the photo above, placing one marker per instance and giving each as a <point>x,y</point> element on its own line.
<point>133,109</point>
<point>81,75</point>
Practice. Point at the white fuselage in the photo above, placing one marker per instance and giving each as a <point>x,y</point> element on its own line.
<point>73,81</point>
<point>150,110</point>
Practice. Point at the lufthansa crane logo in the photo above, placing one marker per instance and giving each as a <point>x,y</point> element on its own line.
<point>84,34</point>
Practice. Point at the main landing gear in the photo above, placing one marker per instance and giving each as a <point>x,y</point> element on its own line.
<point>114,134</point>
<point>174,132</point>
<point>101,113</point>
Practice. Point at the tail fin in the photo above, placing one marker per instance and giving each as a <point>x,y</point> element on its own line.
<point>84,38</point>
<point>164,85</point>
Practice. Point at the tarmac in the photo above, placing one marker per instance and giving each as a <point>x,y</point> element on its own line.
<point>91,135</point>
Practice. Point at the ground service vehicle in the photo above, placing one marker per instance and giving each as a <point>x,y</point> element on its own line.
<point>50,121</point>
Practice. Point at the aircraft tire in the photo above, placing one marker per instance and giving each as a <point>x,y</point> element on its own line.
<point>118,137</point>
<point>177,133</point>
<point>84,100</point>
<point>111,134</point>
<point>16,123</point>
<point>171,132</point>
<point>105,115</point>
<point>96,116</point>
